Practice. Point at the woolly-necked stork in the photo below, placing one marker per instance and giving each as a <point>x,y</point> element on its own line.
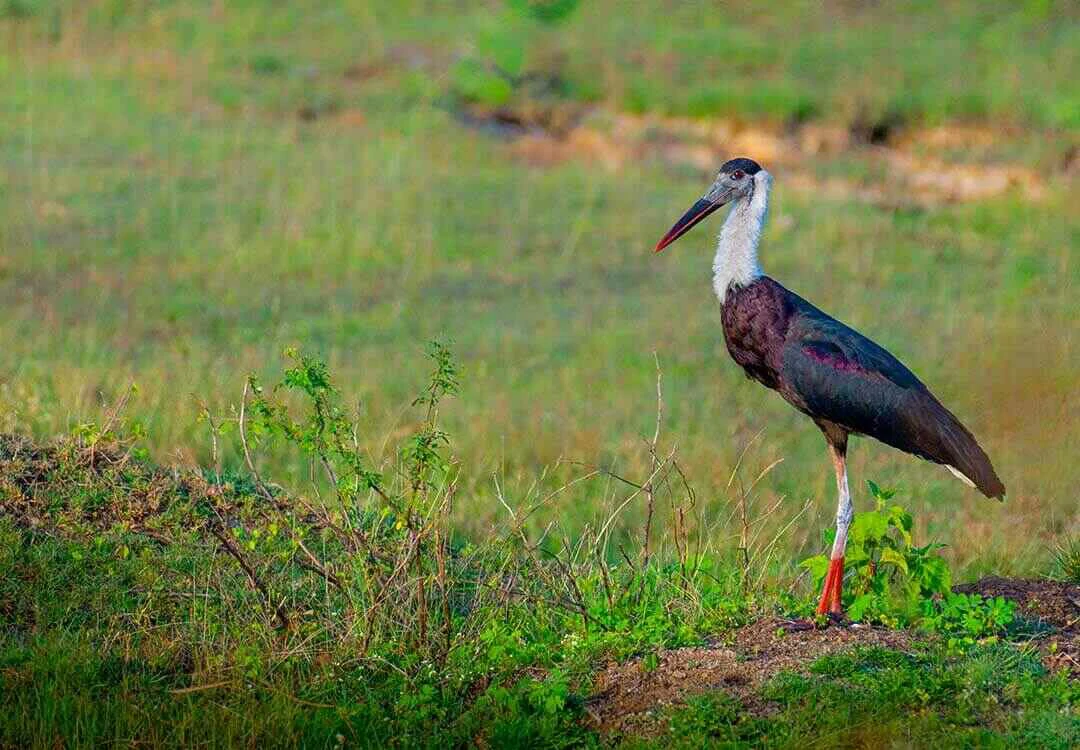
<point>839,378</point>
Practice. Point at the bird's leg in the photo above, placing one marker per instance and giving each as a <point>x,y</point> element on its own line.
<point>834,579</point>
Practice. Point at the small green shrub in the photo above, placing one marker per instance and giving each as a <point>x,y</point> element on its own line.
<point>267,64</point>
<point>547,11</point>
<point>18,9</point>
<point>892,581</point>
<point>476,82</point>
<point>886,575</point>
<point>967,617</point>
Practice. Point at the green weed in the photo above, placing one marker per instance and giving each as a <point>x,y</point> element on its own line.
<point>888,579</point>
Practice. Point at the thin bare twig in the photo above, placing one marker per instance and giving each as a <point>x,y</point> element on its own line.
<point>234,552</point>
<point>118,407</point>
<point>197,688</point>
<point>650,497</point>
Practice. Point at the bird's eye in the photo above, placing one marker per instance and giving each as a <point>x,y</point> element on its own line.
<point>737,174</point>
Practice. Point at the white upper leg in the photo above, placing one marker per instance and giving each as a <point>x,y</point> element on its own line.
<point>845,509</point>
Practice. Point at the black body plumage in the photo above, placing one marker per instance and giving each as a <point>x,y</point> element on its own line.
<point>843,380</point>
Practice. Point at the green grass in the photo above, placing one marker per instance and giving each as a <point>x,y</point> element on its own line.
<point>126,617</point>
<point>124,621</point>
<point>168,219</point>
<point>993,698</point>
<point>1001,60</point>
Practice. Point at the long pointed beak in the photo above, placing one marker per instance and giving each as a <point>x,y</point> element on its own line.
<point>697,212</point>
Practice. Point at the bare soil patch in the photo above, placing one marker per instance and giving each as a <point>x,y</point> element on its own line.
<point>631,698</point>
<point>1055,603</point>
<point>916,168</point>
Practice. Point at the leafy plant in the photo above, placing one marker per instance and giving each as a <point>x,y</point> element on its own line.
<point>546,11</point>
<point>327,433</point>
<point>474,81</point>
<point>891,580</point>
<point>495,72</point>
<point>967,617</point>
<point>886,575</point>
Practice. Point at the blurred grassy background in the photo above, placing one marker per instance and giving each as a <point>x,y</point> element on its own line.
<point>188,188</point>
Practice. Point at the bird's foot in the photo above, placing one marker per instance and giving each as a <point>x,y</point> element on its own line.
<point>836,619</point>
<point>820,622</point>
<point>798,625</point>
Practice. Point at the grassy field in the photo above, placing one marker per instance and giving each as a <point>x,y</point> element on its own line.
<point>187,189</point>
<point>147,606</point>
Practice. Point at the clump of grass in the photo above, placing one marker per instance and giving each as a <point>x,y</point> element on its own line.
<point>17,9</point>
<point>1067,559</point>
<point>514,77</point>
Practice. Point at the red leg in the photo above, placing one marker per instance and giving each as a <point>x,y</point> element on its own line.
<point>830,593</point>
<point>834,580</point>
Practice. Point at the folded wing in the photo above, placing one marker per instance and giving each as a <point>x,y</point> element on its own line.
<point>835,373</point>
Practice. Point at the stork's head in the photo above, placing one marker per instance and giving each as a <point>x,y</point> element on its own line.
<point>737,179</point>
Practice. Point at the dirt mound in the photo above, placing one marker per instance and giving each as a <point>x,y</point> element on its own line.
<point>1054,604</point>
<point>70,487</point>
<point>630,697</point>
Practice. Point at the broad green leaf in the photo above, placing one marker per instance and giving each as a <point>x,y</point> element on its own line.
<point>871,525</point>
<point>475,82</point>
<point>892,557</point>
<point>504,46</point>
<point>858,608</point>
<point>855,555</point>
<point>878,493</point>
<point>900,517</point>
<point>818,565</point>
<point>936,578</point>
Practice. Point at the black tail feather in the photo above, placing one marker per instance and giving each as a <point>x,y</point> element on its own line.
<point>949,442</point>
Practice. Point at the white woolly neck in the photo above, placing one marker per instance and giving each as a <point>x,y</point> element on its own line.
<point>736,261</point>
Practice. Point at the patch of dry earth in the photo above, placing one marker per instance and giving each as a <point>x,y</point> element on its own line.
<point>630,698</point>
<point>1052,603</point>
<point>915,167</point>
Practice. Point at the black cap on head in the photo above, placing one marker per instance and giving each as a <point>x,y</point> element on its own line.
<point>749,166</point>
